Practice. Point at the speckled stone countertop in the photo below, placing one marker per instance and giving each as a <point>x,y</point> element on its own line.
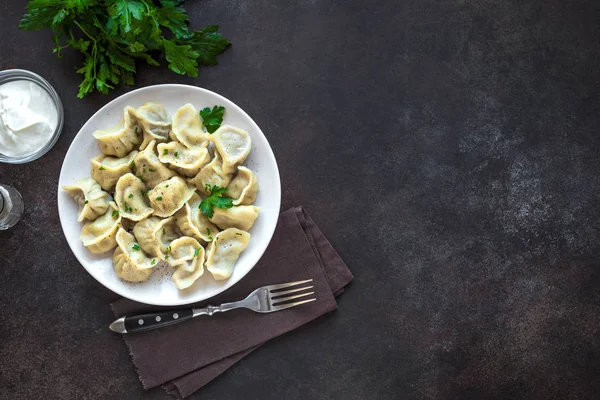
<point>448,149</point>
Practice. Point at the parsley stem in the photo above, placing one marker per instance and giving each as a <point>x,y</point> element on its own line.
<point>84,31</point>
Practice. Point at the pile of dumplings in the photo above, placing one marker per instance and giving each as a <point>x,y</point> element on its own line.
<point>142,199</point>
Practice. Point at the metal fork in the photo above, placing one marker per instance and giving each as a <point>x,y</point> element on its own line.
<point>265,299</point>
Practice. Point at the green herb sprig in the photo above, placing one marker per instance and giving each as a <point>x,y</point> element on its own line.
<point>215,199</point>
<point>112,35</point>
<point>212,119</point>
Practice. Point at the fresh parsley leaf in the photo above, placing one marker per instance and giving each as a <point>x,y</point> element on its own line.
<point>215,200</point>
<point>164,231</point>
<point>115,214</point>
<point>101,168</point>
<point>130,196</point>
<point>181,58</point>
<point>159,198</point>
<point>165,152</point>
<point>208,42</point>
<point>176,154</point>
<point>174,18</point>
<point>137,131</point>
<point>123,12</point>
<point>196,252</point>
<point>85,202</point>
<point>151,170</point>
<point>135,247</point>
<point>153,261</point>
<point>212,118</point>
<point>132,166</point>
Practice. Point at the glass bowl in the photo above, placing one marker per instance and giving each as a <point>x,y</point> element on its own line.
<point>21,74</point>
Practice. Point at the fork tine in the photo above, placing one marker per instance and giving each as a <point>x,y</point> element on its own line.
<point>284,285</point>
<point>290,291</point>
<point>279,301</point>
<point>297,303</point>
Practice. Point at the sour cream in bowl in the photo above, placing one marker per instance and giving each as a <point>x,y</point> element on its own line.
<point>31,116</point>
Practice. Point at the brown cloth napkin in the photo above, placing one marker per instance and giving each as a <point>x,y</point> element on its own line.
<point>187,356</point>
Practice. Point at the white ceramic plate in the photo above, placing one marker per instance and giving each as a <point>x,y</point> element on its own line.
<point>159,289</point>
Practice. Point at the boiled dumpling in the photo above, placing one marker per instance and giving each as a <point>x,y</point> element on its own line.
<point>155,122</point>
<point>149,168</point>
<point>130,262</point>
<point>244,187</point>
<point>100,235</point>
<point>211,174</point>
<point>187,255</point>
<point>154,235</point>
<point>122,138</point>
<point>233,144</point>
<point>223,252</point>
<point>91,200</point>
<point>169,196</point>
<point>187,127</point>
<point>192,222</point>
<point>186,161</point>
<point>107,170</point>
<point>130,195</point>
<point>241,217</point>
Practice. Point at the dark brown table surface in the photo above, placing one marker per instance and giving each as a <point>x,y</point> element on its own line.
<point>448,149</point>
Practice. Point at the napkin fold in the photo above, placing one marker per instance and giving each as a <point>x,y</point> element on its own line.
<point>184,357</point>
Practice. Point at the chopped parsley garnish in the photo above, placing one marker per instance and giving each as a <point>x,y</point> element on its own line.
<point>164,231</point>
<point>176,154</point>
<point>169,249</point>
<point>239,234</point>
<point>137,131</point>
<point>210,238</point>
<point>167,257</point>
<point>166,186</point>
<point>153,262</point>
<point>165,152</point>
<point>101,168</point>
<point>115,214</point>
<point>126,207</point>
<point>151,170</point>
<point>212,118</point>
<point>135,247</point>
<point>215,200</point>
<point>130,196</point>
<point>140,177</point>
<point>159,198</point>
<point>196,252</point>
<point>207,188</point>
<point>85,202</point>
<point>132,166</point>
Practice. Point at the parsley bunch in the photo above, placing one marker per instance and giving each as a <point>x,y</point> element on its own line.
<point>215,199</point>
<point>113,34</point>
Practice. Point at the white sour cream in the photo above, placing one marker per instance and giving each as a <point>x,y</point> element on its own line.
<point>28,118</point>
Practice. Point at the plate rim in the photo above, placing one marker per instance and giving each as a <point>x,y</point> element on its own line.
<point>270,233</point>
